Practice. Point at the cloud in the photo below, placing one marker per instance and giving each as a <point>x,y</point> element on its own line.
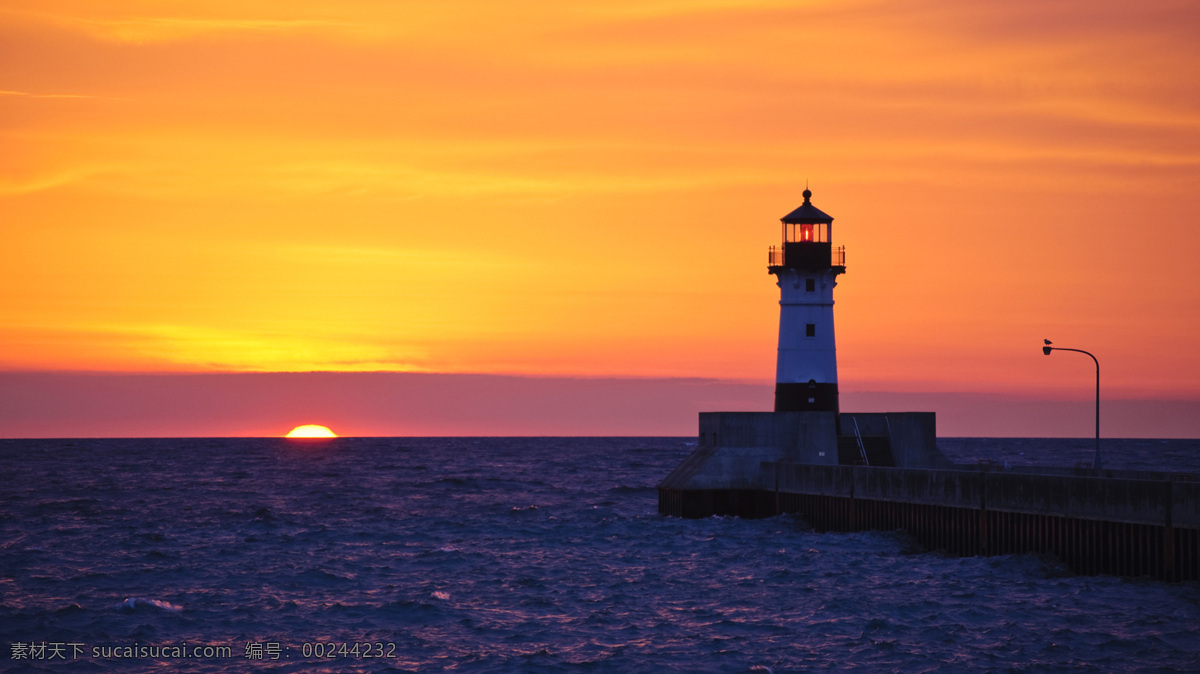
<point>30,95</point>
<point>38,404</point>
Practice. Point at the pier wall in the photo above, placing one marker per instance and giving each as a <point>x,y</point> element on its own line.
<point>734,446</point>
<point>1144,525</point>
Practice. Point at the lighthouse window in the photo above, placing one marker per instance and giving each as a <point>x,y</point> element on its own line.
<point>810,285</point>
<point>810,330</point>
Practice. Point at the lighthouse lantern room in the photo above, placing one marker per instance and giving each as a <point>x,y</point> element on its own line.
<point>806,267</point>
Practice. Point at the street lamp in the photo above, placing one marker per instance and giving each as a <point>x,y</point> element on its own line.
<point>1046,350</point>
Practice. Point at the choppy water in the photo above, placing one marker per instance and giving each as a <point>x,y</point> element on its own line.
<point>521,555</point>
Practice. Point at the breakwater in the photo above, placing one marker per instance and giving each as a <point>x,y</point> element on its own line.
<point>1128,523</point>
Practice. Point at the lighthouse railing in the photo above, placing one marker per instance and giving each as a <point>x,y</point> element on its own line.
<point>776,258</point>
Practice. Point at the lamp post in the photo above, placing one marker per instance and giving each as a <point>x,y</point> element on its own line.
<point>1046,350</point>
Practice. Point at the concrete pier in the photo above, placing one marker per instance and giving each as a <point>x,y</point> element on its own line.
<point>855,472</point>
<point>1141,524</point>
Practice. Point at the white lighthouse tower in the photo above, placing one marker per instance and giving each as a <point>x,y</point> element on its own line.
<point>806,267</point>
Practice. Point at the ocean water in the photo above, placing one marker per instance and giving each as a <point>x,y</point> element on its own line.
<point>515,555</point>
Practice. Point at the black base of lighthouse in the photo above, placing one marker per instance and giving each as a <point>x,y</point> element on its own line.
<point>806,397</point>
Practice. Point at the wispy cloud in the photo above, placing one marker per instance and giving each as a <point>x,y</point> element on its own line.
<point>27,94</point>
<point>139,29</point>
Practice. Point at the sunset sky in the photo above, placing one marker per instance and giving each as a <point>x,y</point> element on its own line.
<point>585,192</point>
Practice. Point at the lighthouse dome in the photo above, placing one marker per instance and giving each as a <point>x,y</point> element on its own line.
<point>807,214</point>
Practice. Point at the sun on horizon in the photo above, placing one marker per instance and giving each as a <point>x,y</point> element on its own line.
<point>311,431</point>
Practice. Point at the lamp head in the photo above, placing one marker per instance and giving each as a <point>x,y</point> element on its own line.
<point>1046,350</point>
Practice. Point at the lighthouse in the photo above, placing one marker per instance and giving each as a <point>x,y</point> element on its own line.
<point>746,463</point>
<point>806,267</point>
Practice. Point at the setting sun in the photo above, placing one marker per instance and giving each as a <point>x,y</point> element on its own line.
<point>311,431</point>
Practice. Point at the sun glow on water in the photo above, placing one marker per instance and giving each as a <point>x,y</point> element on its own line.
<point>311,431</point>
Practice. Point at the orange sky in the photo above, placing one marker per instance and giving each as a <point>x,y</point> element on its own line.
<point>589,189</point>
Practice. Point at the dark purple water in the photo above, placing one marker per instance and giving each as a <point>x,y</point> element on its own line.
<point>520,555</point>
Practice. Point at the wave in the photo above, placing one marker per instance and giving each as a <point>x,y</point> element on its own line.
<point>132,604</point>
<point>629,489</point>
